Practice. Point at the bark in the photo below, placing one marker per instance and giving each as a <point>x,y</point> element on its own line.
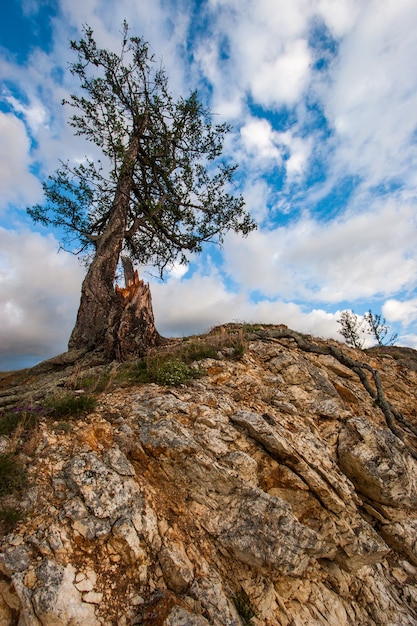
<point>108,318</point>
<point>134,331</point>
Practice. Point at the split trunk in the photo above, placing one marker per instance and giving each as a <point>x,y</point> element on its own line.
<point>117,322</point>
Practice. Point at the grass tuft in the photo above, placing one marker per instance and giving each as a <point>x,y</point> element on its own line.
<point>71,406</point>
<point>25,418</point>
<point>12,475</point>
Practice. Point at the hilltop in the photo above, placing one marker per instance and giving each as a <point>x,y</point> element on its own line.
<point>249,476</point>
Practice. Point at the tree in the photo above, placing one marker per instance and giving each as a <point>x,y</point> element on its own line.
<point>351,329</point>
<point>159,194</point>
<point>379,329</point>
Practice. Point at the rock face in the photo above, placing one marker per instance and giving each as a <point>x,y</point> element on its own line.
<point>270,491</point>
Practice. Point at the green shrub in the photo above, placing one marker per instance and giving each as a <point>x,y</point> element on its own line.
<point>163,369</point>
<point>230,343</point>
<point>27,417</point>
<point>134,373</point>
<point>12,474</point>
<point>9,422</point>
<point>198,350</point>
<point>72,406</point>
<point>95,383</point>
<point>172,373</point>
<point>172,367</point>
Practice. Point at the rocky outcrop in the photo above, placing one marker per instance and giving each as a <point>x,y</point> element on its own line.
<point>270,491</point>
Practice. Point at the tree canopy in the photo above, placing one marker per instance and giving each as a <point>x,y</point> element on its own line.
<point>179,195</point>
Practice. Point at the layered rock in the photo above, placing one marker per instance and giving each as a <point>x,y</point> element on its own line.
<point>270,491</point>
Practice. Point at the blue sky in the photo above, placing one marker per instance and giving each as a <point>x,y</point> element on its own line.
<point>322,98</point>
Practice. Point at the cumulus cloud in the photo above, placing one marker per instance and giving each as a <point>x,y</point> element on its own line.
<point>35,114</point>
<point>263,145</point>
<point>17,184</point>
<point>371,97</point>
<point>404,311</point>
<point>283,79</point>
<point>197,303</point>
<point>352,257</point>
<point>259,139</point>
<point>39,296</point>
<point>268,52</point>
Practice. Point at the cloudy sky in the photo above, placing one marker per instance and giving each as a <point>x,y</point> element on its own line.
<point>322,97</point>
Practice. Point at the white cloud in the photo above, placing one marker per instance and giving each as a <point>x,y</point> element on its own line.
<point>196,304</point>
<point>357,256</point>
<point>283,79</point>
<point>339,16</point>
<point>35,115</point>
<point>268,46</point>
<point>372,95</point>
<point>39,295</point>
<point>408,340</point>
<point>256,193</point>
<point>268,52</point>
<point>404,311</point>
<point>258,139</point>
<point>299,151</point>
<point>17,184</point>
<point>262,148</point>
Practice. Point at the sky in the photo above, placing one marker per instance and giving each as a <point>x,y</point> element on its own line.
<point>322,99</point>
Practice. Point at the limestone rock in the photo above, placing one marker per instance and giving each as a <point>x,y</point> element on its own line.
<point>273,490</point>
<point>104,491</point>
<point>378,464</point>
<point>176,567</point>
<point>181,617</point>
<point>57,602</point>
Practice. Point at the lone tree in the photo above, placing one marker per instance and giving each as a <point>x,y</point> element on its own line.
<point>379,329</point>
<point>160,192</point>
<point>351,329</point>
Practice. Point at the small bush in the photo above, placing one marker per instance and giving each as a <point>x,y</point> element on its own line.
<point>198,350</point>
<point>12,474</point>
<point>9,422</point>
<point>96,383</point>
<point>72,406</point>
<point>226,343</point>
<point>134,373</point>
<point>172,367</point>
<point>172,373</point>
<point>163,369</point>
<point>26,417</point>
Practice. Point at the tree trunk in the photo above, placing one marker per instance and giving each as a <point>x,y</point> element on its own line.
<point>134,330</point>
<point>108,318</point>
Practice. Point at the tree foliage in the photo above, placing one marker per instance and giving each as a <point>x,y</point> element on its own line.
<point>379,329</point>
<point>180,188</point>
<point>351,329</point>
